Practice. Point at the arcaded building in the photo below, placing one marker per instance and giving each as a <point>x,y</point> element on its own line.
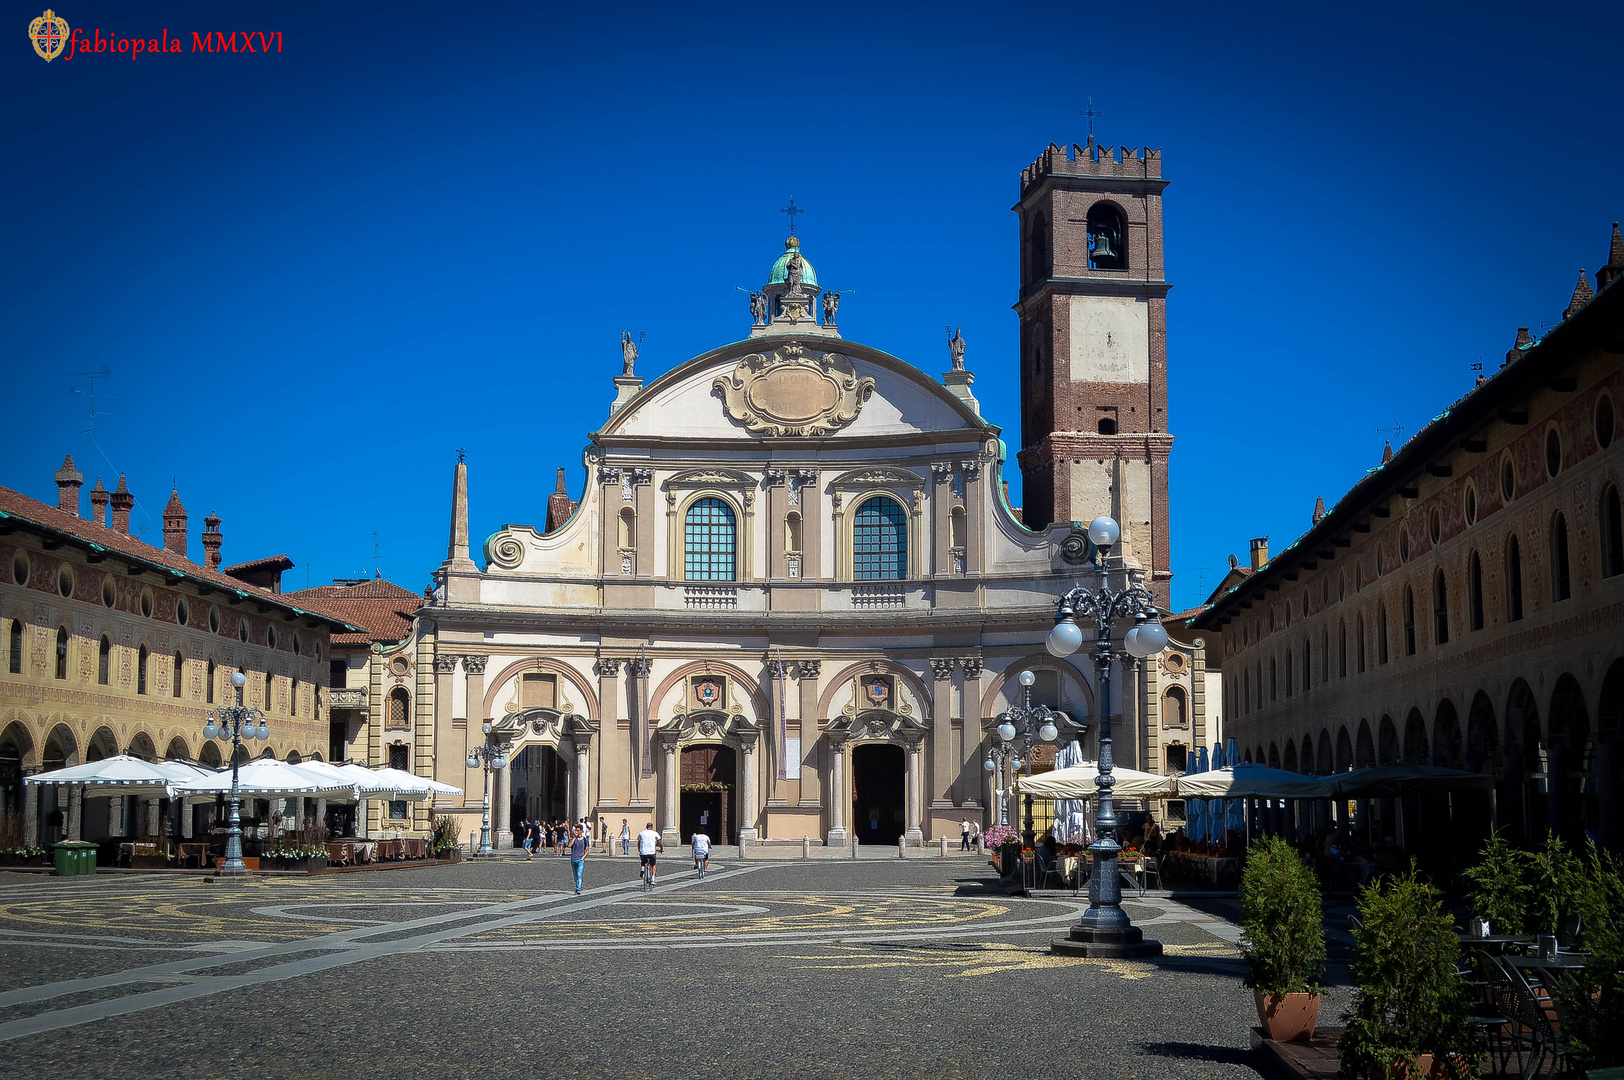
<point>1463,604</point>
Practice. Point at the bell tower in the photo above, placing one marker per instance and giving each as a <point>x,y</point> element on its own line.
<point>1093,314</point>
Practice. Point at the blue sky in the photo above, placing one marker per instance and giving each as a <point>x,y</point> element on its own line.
<point>315,274</point>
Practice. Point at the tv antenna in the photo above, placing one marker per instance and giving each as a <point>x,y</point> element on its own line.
<point>92,393</point>
<point>1396,432</point>
<point>377,557</point>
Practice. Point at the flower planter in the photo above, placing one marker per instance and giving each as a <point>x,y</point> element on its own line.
<point>1287,1017</point>
<point>24,860</point>
<point>150,862</point>
<point>450,855</point>
<point>282,862</point>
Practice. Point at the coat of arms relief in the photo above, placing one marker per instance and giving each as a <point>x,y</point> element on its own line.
<point>793,390</point>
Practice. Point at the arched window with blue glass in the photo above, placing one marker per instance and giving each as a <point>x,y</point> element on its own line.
<point>880,540</point>
<point>711,541</point>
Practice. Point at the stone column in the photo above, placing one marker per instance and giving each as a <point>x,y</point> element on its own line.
<point>668,790</point>
<point>185,820</point>
<point>607,669</point>
<point>943,767</point>
<point>31,815</point>
<point>837,794</point>
<point>748,810</point>
<point>915,793</point>
<point>76,804</point>
<point>581,803</point>
<point>502,806</point>
<point>321,813</point>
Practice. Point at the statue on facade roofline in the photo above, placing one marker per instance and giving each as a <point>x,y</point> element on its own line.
<point>793,271</point>
<point>758,307</point>
<point>955,345</point>
<point>628,352</point>
<point>831,304</point>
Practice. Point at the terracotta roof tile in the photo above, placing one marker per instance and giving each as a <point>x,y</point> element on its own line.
<point>381,608</point>
<point>16,505</point>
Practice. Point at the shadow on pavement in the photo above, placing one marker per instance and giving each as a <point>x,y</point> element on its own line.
<point>1223,1055</point>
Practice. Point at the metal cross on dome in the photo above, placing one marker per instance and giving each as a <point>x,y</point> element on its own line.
<point>791,210</point>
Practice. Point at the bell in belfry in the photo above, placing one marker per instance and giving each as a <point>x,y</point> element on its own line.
<point>1099,244</point>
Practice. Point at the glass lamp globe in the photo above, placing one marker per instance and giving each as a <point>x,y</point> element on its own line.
<point>1065,639</point>
<point>1048,732</point>
<point>486,727</point>
<point>989,765</point>
<point>1027,678</point>
<point>1104,531</point>
<point>237,679</point>
<point>1134,642</point>
<point>209,730</point>
<point>264,732</point>
<point>1006,731</point>
<point>500,762</point>
<point>1153,636</point>
<point>1015,763</point>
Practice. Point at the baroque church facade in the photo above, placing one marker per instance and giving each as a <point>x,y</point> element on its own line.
<point>793,597</point>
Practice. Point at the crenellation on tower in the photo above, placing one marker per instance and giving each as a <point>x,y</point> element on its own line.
<point>1093,160</point>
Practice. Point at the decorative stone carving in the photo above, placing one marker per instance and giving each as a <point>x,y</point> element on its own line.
<point>758,308</point>
<point>793,567</point>
<point>628,352</point>
<point>505,550</point>
<point>445,663</point>
<point>626,556</point>
<point>877,476</point>
<point>941,471</point>
<point>793,392</point>
<point>608,474</point>
<point>639,667</point>
<point>475,663</point>
<point>808,669</point>
<point>799,478</point>
<point>700,478</point>
<point>607,666</point>
<point>774,477</point>
<point>971,469</point>
<point>971,666</point>
<point>1077,549</point>
<point>941,667</point>
<point>955,348</point>
<point>642,476</point>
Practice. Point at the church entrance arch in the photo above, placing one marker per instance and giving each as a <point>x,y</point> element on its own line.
<point>541,784</point>
<point>708,793</point>
<point>879,784</point>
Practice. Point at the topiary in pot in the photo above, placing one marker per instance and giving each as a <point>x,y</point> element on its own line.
<point>1499,889</point>
<point>1282,939</point>
<point>1411,1008</point>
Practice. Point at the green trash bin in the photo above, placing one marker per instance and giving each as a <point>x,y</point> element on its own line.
<point>75,858</point>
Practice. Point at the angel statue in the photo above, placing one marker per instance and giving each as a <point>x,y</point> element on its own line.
<point>758,308</point>
<point>831,304</point>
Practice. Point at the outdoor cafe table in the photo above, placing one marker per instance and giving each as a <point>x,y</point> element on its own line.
<point>1562,962</point>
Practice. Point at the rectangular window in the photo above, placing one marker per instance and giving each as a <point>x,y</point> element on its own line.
<point>397,809</point>
<point>397,757</point>
<point>338,673</point>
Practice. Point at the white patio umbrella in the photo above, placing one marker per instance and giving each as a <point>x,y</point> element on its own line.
<point>1391,781</point>
<point>1077,782</point>
<point>406,781</point>
<point>368,784</point>
<point>1070,815</point>
<point>118,775</point>
<point>267,778</point>
<point>1247,780</point>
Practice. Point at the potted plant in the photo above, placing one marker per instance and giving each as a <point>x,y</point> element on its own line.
<point>1411,1007</point>
<point>445,843</point>
<point>1002,843</point>
<point>1590,1003</point>
<point>1282,939</point>
<point>1499,890</point>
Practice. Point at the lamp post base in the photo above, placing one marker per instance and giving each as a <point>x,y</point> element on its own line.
<point>1126,943</point>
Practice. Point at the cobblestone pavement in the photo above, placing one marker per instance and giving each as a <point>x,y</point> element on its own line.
<point>496,969</point>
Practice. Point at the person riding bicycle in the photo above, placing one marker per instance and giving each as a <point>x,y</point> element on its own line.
<point>649,845</point>
<point>702,846</point>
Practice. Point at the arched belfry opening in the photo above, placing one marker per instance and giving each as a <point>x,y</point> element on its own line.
<point>1107,238</point>
<point>879,784</point>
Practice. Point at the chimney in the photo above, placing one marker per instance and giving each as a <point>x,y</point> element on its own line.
<point>175,525</point>
<point>1260,551</point>
<point>68,480</point>
<point>212,541</point>
<point>98,503</point>
<point>122,502</point>
<point>559,506</point>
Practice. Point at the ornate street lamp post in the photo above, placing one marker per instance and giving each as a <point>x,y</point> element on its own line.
<point>240,724</point>
<point>1019,727</point>
<point>490,756</point>
<point>1105,929</point>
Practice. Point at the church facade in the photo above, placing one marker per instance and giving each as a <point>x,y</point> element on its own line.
<point>793,598</point>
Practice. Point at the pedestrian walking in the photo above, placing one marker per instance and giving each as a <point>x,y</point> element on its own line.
<point>701,845</point>
<point>625,837</point>
<point>527,838</point>
<point>964,835</point>
<point>579,846</point>
<point>975,836</point>
<point>603,834</point>
<point>649,845</point>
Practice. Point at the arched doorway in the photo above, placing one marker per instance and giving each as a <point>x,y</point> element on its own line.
<point>1569,762</point>
<point>708,792</point>
<point>1522,806</point>
<point>541,786</point>
<point>879,785</point>
<point>15,745</point>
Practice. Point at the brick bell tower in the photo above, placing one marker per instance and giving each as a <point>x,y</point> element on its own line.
<point>1093,311</point>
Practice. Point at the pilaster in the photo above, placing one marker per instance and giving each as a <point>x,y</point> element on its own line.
<point>941,743</point>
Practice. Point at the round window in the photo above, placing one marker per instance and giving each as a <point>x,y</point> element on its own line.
<point>1404,544</point>
<point>214,620</point>
<point>400,665</point>
<point>242,629</point>
<point>1604,422</point>
<point>296,646</point>
<point>1553,452</point>
<point>109,590</point>
<point>146,602</point>
<point>64,580</point>
<point>270,636</point>
<point>182,612</point>
<point>1471,505</point>
<point>1508,480</point>
<point>19,567</point>
<point>1435,526</point>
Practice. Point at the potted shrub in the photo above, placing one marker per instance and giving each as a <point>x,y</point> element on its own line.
<point>1282,939</point>
<point>1590,1003</point>
<point>445,843</point>
<point>1003,844</point>
<point>1411,1008</point>
<point>1499,889</point>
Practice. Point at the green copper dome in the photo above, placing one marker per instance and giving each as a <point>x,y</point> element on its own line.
<point>809,276</point>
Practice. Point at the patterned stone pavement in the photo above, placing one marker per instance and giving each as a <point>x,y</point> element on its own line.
<point>916,968</point>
